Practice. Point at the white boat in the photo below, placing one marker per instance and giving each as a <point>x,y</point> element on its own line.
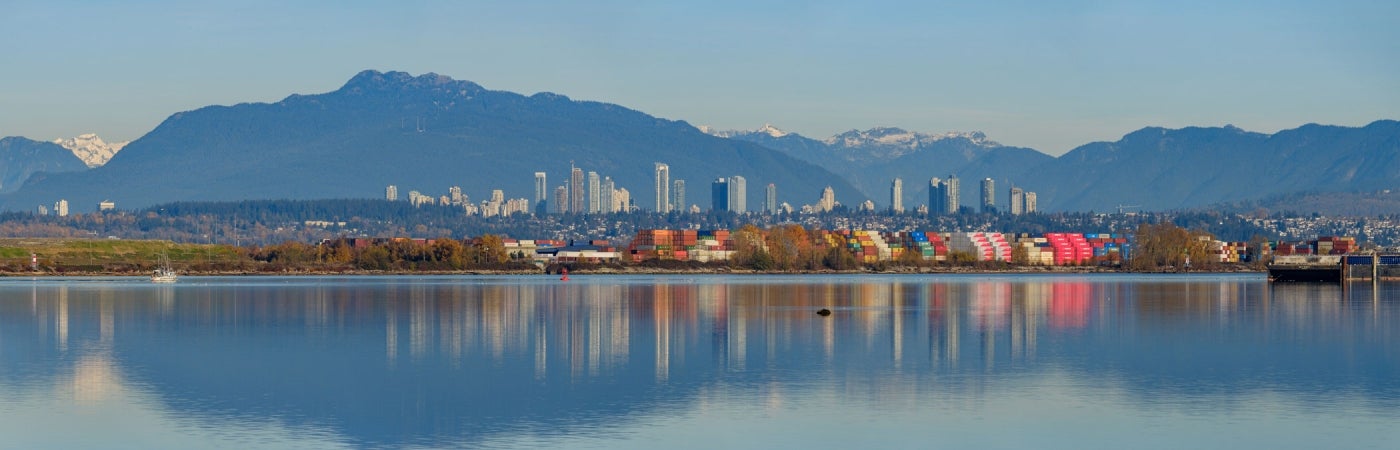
<point>164,274</point>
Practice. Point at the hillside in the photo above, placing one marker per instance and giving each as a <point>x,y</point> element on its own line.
<point>1159,168</point>
<point>1149,169</point>
<point>421,133</point>
<point>872,158</point>
<point>21,158</point>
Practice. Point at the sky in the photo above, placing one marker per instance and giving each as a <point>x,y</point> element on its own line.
<point>1045,75</point>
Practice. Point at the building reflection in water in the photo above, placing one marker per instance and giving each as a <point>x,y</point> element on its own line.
<point>593,328</point>
<point>668,330</point>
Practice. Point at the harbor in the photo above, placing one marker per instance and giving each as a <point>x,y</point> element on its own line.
<point>1335,268</point>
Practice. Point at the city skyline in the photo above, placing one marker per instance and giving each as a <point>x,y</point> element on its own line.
<point>1048,77</point>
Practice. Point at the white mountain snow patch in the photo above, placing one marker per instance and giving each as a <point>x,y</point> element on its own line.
<point>91,149</point>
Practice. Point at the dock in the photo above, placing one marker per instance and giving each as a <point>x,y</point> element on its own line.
<point>1334,268</point>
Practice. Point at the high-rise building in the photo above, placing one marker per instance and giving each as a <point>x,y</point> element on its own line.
<point>719,194</point>
<point>1030,202</point>
<point>561,200</point>
<point>897,196</point>
<point>937,197</point>
<point>1018,201</point>
<point>663,188</point>
<point>954,194</point>
<point>738,194</point>
<point>606,196</point>
<point>678,195</point>
<point>595,193</point>
<point>828,200</point>
<point>989,196</point>
<point>541,193</point>
<point>391,193</point>
<point>770,198</point>
<point>623,200</point>
<point>454,196</point>
<point>577,198</point>
<point>61,208</point>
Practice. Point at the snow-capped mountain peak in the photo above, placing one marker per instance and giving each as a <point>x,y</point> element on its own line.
<point>771,130</point>
<point>900,140</point>
<point>898,137</point>
<point>767,129</point>
<point>91,149</point>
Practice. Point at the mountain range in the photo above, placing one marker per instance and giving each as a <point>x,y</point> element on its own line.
<point>873,158</point>
<point>1152,168</point>
<point>21,158</point>
<point>1159,168</point>
<point>424,133</point>
<point>430,132</point>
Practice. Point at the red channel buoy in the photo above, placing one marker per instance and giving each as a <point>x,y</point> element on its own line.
<point>564,271</point>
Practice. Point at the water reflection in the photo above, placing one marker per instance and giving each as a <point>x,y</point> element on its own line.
<point>463,361</point>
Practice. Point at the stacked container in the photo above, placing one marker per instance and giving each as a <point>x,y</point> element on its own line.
<point>1038,250</point>
<point>1228,252</point>
<point>1070,248</point>
<point>868,246</point>
<point>1335,245</point>
<point>929,246</point>
<point>982,246</point>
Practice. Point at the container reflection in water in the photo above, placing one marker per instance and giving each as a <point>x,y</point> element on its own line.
<point>964,361</point>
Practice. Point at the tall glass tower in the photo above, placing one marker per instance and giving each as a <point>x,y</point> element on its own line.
<point>989,196</point>
<point>738,194</point>
<point>541,193</point>
<point>663,188</point>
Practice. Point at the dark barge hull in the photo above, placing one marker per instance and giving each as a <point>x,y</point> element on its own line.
<point>1308,274</point>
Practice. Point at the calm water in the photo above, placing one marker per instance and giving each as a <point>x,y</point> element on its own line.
<point>699,362</point>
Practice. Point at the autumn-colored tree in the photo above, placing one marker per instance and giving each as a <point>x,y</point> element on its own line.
<point>1165,245</point>
<point>786,244</point>
<point>838,258</point>
<point>749,248</point>
<point>1019,255</point>
<point>449,254</point>
<point>961,258</point>
<point>912,257</point>
<point>488,250</point>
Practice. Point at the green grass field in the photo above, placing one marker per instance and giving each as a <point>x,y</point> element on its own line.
<point>110,253</point>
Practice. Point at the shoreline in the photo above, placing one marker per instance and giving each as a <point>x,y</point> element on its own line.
<point>1040,270</point>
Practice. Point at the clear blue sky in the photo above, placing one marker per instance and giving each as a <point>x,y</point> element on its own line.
<point>1047,75</point>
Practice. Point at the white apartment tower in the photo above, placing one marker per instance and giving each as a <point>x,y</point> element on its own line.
<point>576,195</point>
<point>897,196</point>
<point>1018,201</point>
<point>678,195</point>
<point>954,194</point>
<point>663,188</point>
<point>391,193</point>
<point>595,193</point>
<point>622,200</point>
<point>606,196</point>
<point>828,200</point>
<point>989,196</point>
<point>770,198</point>
<point>738,194</point>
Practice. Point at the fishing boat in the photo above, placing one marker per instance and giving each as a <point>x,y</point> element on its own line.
<point>164,273</point>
